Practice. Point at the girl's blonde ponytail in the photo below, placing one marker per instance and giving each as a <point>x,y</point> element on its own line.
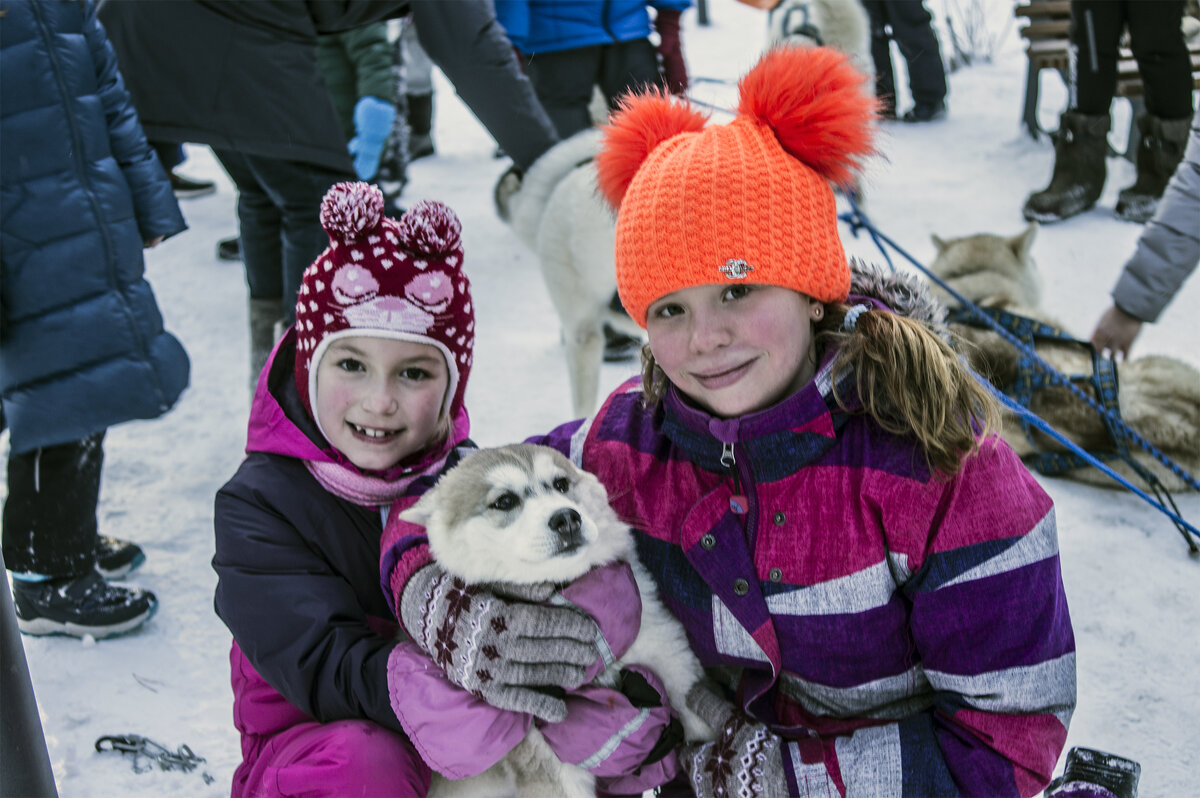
<point>910,381</point>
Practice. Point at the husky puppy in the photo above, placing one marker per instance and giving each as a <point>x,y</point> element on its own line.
<point>556,211</point>
<point>1159,397</point>
<point>524,514</point>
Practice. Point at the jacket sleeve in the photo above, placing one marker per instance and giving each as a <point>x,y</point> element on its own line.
<point>297,619</point>
<point>368,49</point>
<point>468,44</point>
<point>154,201</point>
<point>1169,248</point>
<point>989,618</point>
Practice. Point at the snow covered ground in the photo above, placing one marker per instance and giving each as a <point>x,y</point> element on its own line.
<point>1134,593</point>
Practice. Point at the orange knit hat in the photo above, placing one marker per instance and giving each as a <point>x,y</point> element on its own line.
<point>750,200</point>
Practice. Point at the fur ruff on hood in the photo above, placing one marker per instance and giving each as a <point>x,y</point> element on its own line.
<point>905,293</point>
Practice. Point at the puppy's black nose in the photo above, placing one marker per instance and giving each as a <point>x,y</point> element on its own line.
<point>568,526</point>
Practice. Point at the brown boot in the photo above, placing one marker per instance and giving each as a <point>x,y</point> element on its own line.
<point>1080,147</point>
<point>264,314</point>
<point>1159,153</point>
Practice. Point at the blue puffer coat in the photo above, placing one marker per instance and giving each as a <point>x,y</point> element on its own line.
<point>547,26</point>
<point>82,345</point>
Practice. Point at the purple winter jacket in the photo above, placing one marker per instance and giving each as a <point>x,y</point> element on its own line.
<point>315,638</point>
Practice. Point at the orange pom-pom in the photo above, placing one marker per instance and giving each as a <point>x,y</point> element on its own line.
<point>817,105</point>
<point>643,122</point>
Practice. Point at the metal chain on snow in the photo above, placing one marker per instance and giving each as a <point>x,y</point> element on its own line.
<point>145,751</point>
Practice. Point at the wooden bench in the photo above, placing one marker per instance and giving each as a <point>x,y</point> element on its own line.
<point>1048,47</point>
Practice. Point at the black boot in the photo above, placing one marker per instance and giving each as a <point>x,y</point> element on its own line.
<point>1087,769</point>
<point>1159,152</point>
<point>420,120</point>
<point>1080,147</point>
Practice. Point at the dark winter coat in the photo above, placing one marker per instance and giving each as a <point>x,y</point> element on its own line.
<point>82,345</point>
<point>244,75</point>
<point>548,26</point>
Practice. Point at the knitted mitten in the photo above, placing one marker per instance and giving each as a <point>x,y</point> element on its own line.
<point>512,652</point>
<point>747,757</point>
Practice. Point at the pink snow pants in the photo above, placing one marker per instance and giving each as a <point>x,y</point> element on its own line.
<point>331,760</point>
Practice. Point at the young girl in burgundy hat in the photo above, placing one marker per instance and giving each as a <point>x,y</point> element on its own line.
<point>868,572</point>
<point>359,410</point>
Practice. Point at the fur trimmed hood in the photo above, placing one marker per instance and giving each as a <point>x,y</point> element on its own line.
<point>904,292</point>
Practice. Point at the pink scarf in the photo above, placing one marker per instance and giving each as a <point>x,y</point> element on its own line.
<point>362,489</point>
<point>369,491</point>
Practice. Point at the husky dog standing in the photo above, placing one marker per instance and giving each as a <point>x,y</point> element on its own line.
<point>555,211</point>
<point>524,514</point>
<point>840,24</point>
<point>1159,397</point>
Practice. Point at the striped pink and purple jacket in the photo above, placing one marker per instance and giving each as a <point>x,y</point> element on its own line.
<point>905,632</point>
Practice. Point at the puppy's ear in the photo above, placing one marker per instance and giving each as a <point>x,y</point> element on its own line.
<point>938,242</point>
<point>1021,244</point>
<point>421,512</point>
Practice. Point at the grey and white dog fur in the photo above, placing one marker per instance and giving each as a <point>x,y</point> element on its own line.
<point>1159,397</point>
<point>840,24</point>
<point>556,210</point>
<point>525,514</point>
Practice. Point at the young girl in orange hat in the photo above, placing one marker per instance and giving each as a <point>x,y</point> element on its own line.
<point>867,571</point>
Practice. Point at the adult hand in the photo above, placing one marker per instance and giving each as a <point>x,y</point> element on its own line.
<point>670,51</point>
<point>153,242</point>
<point>1115,332</point>
<point>512,652</point>
<point>373,120</point>
<point>746,756</point>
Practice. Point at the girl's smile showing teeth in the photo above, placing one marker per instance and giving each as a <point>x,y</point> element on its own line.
<point>372,432</point>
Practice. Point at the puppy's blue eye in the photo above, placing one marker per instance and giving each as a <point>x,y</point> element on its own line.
<point>506,502</point>
<point>562,484</point>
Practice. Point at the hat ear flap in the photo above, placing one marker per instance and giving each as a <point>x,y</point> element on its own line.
<point>816,103</point>
<point>641,123</point>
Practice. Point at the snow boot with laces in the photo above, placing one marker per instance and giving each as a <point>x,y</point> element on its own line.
<point>1158,154</point>
<point>80,606</point>
<point>1080,147</point>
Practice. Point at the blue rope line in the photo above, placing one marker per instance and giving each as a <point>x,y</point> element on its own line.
<point>1186,529</point>
<point>857,220</point>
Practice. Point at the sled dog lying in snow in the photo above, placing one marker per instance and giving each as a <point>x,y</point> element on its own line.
<point>1159,397</point>
<point>556,211</point>
<point>524,514</point>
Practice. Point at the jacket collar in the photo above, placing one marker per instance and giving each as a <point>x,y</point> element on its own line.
<point>810,415</point>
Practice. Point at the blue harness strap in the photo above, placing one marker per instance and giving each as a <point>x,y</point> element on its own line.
<point>1030,379</point>
<point>1105,384</point>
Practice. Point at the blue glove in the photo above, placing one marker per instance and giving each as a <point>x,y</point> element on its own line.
<point>373,120</point>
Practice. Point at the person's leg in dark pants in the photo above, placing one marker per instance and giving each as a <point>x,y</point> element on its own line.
<point>912,28</point>
<point>1095,34</point>
<point>50,545</point>
<point>564,82</point>
<point>881,54</point>
<point>1162,56</point>
<point>1156,38</point>
<point>279,223</point>
<point>625,66</point>
<point>170,154</point>
<point>50,513</point>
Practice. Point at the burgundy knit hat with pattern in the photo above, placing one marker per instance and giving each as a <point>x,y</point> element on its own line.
<point>384,278</point>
